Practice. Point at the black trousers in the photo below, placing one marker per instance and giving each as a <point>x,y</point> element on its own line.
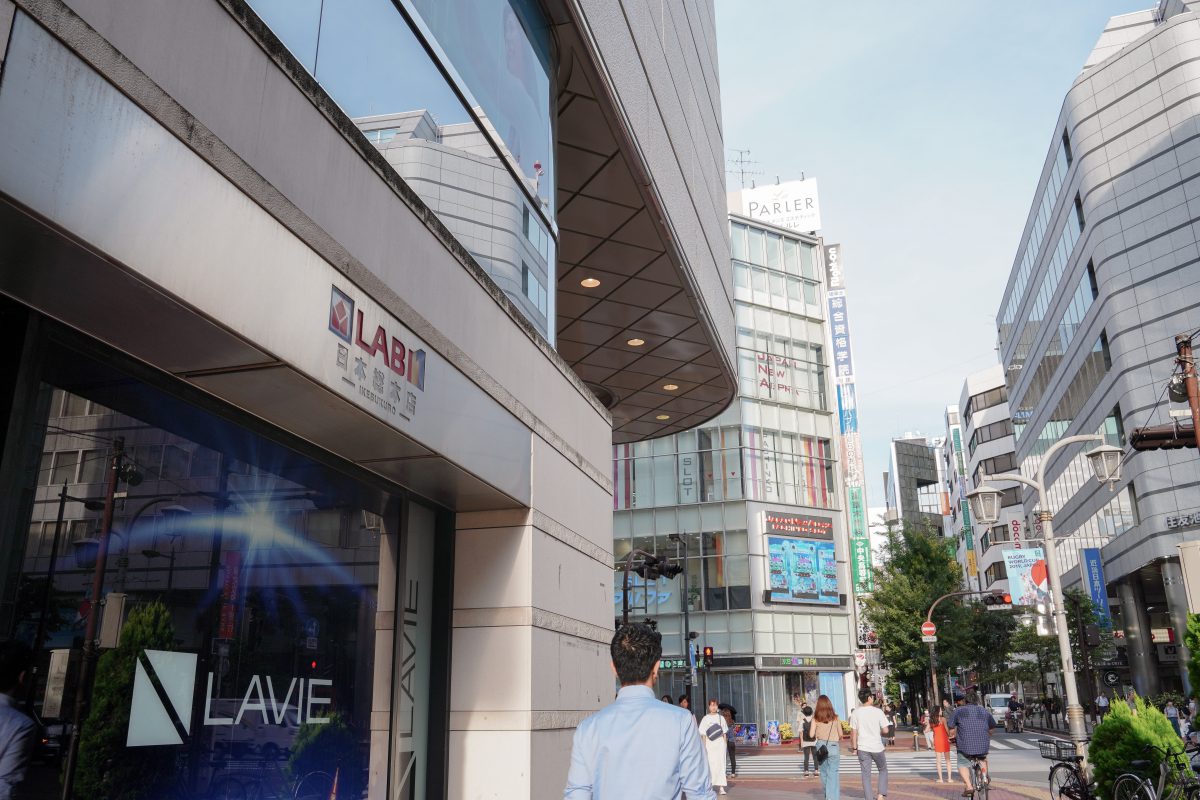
<point>731,749</point>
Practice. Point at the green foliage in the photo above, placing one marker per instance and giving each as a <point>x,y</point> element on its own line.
<point>1161,699</point>
<point>106,769</point>
<point>1124,736</point>
<point>1192,640</point>
<point>1081,611</point>
<point>919,570</point>
<point>328,747</point>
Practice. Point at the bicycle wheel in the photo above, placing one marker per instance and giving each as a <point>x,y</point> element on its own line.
<point>1065,783</point>
<point>314,786</point>
<point>980,781</point>
<point>1131,787</point>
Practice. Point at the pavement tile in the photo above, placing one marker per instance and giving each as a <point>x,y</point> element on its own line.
<point>898,789</point>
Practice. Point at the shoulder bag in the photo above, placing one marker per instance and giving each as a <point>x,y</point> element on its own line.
<point>822,752</point>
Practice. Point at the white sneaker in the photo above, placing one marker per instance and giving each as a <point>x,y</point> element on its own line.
<point>721,790</point>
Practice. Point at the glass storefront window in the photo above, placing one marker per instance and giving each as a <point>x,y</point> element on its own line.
<point>250,580</point>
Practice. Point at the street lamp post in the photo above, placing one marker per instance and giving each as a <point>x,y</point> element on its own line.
<point>1105,462</point>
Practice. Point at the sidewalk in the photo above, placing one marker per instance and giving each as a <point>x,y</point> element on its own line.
<point>898,789</point>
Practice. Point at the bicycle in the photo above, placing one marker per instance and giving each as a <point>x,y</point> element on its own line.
<point>979,778</point>
<point>1067,781</point>
<point>1175,778</point>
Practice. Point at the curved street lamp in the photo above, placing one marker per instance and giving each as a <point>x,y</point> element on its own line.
<point>1105,462</point>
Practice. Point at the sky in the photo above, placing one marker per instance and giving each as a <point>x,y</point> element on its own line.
<point>927,124</point>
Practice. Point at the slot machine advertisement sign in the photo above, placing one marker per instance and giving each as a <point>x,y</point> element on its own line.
<point>802,571</point>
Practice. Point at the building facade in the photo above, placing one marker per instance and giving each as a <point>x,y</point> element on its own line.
<point>1103,280</point>
<point>327,423</point>
<point>914,484</point>
<point>753,501</point>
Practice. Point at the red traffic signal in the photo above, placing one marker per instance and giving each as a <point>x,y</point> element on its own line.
<point>997,599</point>
<point>708,656</point>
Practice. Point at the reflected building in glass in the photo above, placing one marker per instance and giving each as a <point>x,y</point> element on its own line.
<point>754,498</point>
<point>323,318</point>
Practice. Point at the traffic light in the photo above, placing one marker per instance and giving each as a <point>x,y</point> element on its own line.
<point>708,656</point>
<point>1091,635</point>
<point>668,569</point>
<point>997,599</point>
<point>654,567</point>
<point>1171,436</point>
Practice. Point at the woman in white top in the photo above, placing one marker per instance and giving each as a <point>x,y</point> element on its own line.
<point>713,729</point>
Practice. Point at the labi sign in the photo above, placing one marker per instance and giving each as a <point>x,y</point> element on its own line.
<point>163,694</point>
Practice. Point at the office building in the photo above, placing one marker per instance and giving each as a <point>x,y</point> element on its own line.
<point>358,299</point>
<point>1104,278</point>
<point>914,483</point>
<point>754,500</point>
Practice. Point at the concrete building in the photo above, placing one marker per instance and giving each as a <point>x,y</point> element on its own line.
<point>362,398</point>
<point>755,497</point>
<point>914,482</point>
<point>986,431</point>
<point>1104,278</point>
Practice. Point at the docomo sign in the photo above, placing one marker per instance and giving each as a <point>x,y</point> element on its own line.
<point>1015,528</point>
<point>928,629</point>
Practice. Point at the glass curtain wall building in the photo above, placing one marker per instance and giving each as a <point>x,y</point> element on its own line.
<point>1103,280</point>
<point>755,501</point>
<point>323,318</point>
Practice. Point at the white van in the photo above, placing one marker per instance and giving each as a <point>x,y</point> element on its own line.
<point>998,705</point>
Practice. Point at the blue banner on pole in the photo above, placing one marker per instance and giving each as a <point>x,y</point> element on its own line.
<point>1093,581</point>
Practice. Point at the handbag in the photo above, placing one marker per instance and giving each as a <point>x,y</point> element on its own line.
<point>714,732</point>
<point>822,752</point>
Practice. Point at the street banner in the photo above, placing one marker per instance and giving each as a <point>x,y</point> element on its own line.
<point>1092,569</point>
<point>1028,578</point>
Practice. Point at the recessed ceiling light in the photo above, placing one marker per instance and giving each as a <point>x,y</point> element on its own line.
<point>670,387</point>
<point>635,342</point>
<point>589,283</point>
<point>663,416</point>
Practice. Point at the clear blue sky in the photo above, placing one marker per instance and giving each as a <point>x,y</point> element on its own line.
<point>927,124</point>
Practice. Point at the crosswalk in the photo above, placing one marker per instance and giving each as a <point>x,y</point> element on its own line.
<point>900,762</point>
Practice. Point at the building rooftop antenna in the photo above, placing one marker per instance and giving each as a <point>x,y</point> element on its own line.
<point>739,165</point>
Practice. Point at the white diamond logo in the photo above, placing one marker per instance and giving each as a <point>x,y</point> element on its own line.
<point>164,684</point>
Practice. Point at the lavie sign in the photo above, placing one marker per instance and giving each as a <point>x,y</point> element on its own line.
<point>164,685</point>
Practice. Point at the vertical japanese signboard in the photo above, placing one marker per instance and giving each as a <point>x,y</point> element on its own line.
<point>852,458</point>
<point>963,505</point>
<point>1094,584</point>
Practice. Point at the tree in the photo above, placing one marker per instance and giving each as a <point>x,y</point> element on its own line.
<point>1192,640</point>
<point>917,571</point>
<point>1122,738</point>
<point>106,768</point>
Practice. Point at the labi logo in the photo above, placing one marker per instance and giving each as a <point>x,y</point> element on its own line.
<point>163,688</point>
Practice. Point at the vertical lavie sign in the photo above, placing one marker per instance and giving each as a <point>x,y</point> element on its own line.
<point>852,458</point>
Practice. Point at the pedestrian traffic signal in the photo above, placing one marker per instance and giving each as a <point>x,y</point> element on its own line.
<point>1091,635</point>
<point>708,656</point>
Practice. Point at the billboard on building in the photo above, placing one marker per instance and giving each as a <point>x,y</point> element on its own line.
<point>1028,578</point>
<point>793,205</point>
<point>801,571</point>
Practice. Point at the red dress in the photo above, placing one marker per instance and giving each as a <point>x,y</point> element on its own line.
<point>941,737</point>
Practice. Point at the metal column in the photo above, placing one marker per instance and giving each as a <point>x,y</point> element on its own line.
<point>1142,663</point>
<point>1177,606</point>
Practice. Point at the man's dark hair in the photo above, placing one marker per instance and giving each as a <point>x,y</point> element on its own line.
<point>864,695</point>
<point>14,659</point>
<point>635,649</point>
<point>972,698</point>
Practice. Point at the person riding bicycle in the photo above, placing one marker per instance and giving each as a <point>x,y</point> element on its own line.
<point>971,727</point>
<point>1015,705</point>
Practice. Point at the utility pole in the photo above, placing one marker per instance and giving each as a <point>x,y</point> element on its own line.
<point>83,695</point>
<point>690,678</point>
<point>1187,363</point>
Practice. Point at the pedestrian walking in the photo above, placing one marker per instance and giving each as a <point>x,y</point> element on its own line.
<point>1101,706</point>
<point>891,715</point>
<point>664,758</point>
<point>927,726</point>
<point>730,715</point>
<point>826,731</point>
<point>941,746</point>
<point>868,727</point>
<point>713,729</point>
<point>18,733</point>
<point>684,702</point>
<point>807,743</point>
<point>1172,714</point>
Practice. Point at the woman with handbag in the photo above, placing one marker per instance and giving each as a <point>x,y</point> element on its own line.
<point>826,730</point>
<point>714,730</point>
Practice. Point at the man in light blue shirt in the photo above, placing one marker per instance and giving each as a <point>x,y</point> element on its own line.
<point>638,748</point>
<point>17,731</point>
